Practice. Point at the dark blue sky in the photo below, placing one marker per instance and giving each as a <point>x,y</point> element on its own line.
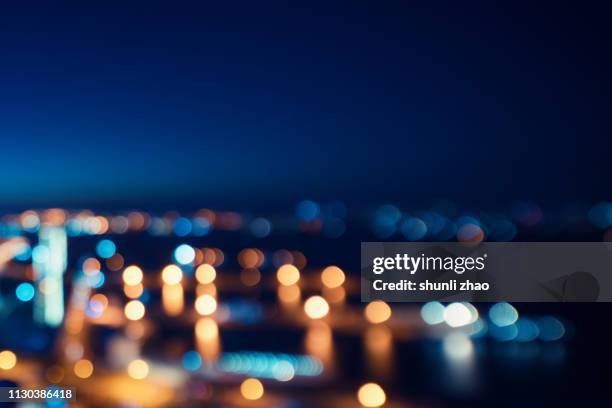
<point>245,103</point>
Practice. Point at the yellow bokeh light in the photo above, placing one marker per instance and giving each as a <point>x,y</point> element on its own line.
<point>132,275</point>
<point>133,291</point>
<point>288,275</point>
<point>332,277</point>
<point>8,359</point>
<point>206,329</point>
<point>173,299</point>
<point>371,395</point>
<point>205,273</point>
<point>138,369</point>
<point>377,312</point>
<point>252,389</point>
<point>206,289</point>
<point>206,305</point>
<point>172,274</point>
<point>134,310</point>
<point>83,368</point>
<point>289,294</point>
<point>316,307</point>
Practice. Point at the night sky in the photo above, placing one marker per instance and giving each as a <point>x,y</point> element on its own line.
<point>244,104</point>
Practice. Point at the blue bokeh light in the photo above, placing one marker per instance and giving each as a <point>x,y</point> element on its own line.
<point>184,254</point>
<point>94,309</point>
<point>527,330</point>
<point>192,360</point>
<point>386,220</point>
<point>432,313</point>
<point>307,210</point>
<point>96,280</point>
<point>106,248</point>
<point>25,291</point>
<point>504,333</point>
<point>414,229</point>
<point>182,227</point>
<point>260,227</point>
<point>40,254</point>
<point>551,328</point>
<point>503,314</point>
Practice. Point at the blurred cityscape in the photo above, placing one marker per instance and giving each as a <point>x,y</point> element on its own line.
<point>184,187</point>
<point>223,308</point>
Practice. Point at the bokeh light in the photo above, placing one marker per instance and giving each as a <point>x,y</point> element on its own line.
<point>527,330</point>
<point>316,307</point>
<point>106,248</point>
<point>83,368</point>
<point>134,310</point>
<point>172,274</point>
<point>260,227</point>
<point>138,369</point>
<point>192,360</point>
<point>252,389</point>
<point>8,360</point>
<point>205,304</point>
<point>288,275</point>
<point>414,229</point>
<point>504,333</point>
<point>206,329</point>
<point>205,273</point>
<point>132,275</point>
<point>133,291</point>
<point>184,254</point>
<point>289,294</point>
<point>377,311</point>
<point>25,291</point>
<point>503,314</point>
<point>457,314</point>
<point>371,395</point>
<point>332,276</point>
<point>432,313</point>
<point>307,210</point>
<point>250,276</point>
<point>182,227</point>
<point>550,328</point>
